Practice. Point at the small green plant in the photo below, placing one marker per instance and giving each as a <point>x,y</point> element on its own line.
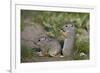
<point>26,53</point>
<point>81,50</point>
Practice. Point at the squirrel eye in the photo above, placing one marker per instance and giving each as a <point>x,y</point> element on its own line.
<point>66,26</point>
<point>39,40</point>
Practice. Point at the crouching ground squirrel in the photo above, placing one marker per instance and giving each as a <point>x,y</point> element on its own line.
<point>68,31</point>
<point>49,46</point>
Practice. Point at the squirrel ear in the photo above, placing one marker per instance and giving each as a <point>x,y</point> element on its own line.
<point>42,38</point>
<point>71,25</point>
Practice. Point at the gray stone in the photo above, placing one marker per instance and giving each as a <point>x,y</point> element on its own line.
<point>30,36</point>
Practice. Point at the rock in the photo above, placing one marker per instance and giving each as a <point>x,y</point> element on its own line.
<point>30,35</point>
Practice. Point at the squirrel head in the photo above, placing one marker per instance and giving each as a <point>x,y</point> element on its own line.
<point>68,27</point>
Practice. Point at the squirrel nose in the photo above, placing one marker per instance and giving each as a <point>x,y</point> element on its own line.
<point>62,29</point>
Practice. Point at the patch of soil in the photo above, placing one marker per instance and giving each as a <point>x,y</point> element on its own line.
<point>45,59</point>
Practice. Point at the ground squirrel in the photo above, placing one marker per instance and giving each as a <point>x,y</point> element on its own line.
<point>68,30</point>
<point>49,46</point>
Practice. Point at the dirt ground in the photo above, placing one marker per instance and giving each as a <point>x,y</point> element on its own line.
<point>44,59</point>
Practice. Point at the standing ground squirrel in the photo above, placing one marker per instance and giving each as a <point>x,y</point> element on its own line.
<point>68,31</point>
